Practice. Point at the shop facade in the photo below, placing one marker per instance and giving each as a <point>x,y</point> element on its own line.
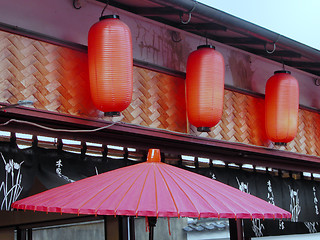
<point>62,137</point>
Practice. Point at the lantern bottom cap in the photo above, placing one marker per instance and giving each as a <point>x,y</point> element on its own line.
<point>280,143</point>
<point>112,114</point>
<point>203,129</point>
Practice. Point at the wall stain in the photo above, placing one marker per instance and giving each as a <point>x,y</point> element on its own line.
<point>240,66</point>
<point>157,45</point>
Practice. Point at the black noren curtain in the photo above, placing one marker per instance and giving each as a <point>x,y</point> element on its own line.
<point>28,171</point>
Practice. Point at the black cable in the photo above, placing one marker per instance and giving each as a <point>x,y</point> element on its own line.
<point>107,3</point>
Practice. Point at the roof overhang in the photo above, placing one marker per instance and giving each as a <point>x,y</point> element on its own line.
<point>222,27</point>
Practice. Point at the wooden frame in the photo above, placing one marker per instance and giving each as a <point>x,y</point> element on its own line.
<point>25,120</point>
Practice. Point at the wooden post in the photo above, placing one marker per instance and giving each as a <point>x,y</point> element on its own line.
<point>105,228</point>
<point>132,228</point>
<point>21,234</point>
<point>111,225</point>
<point>123,228</point>
<point>29,233</point>
<point>152,221</point>
<point>236,230</point>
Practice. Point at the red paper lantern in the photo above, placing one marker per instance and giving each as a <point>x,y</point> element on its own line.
<point>110,64</point>
<point>281,106</point>
<point>205,87</point>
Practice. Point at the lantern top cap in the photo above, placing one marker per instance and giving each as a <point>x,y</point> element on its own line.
<point>109,17</point>
<point>282,71</point>
<point>206,46</point>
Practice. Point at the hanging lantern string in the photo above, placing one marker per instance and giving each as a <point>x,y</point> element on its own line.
<point>206,38</point>
<point>283,67</point>
<point>107,4</point>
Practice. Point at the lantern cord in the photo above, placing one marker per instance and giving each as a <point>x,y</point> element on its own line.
<point>59,130</point>
<point>283,67</point>
<point>107,4</point>
<point>189,13</point>
<point>206,38</point>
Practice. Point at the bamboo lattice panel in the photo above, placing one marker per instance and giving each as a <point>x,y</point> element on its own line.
<point>56,79</point>
<point>158,101</point>
<point>243,121</point>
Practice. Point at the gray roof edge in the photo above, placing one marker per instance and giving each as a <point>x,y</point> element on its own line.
<point>241,26</point>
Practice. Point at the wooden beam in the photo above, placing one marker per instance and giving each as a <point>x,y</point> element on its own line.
<point>238,40</point>
<point>157,11</point>
<point>275,54</point>
<point>143,138</point>
<point>307,65</point>
<point>202,26</point>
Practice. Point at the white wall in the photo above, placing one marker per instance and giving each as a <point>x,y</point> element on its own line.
<point>152,42</point>
<point>313,236</point>
<point>217,235</point>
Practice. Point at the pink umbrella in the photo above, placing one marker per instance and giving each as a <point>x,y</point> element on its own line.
<point>151,189</point>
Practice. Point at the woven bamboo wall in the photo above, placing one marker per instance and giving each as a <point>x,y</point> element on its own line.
<point>56,79</point>
<point>243,121</point>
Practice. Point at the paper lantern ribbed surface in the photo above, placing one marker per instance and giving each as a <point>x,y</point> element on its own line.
<point>110,64</point>
<point>281,105</point>
<point>205,87</point>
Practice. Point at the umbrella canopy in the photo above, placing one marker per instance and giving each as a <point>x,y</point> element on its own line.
<point>152,189</point>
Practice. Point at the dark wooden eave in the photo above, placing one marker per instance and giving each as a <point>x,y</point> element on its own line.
<point>129,135</point>
<point>219,26</point>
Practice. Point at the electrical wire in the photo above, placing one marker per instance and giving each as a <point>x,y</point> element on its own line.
<point>57,129</point>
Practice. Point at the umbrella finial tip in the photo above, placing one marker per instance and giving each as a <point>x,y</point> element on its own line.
<point>154,155</point>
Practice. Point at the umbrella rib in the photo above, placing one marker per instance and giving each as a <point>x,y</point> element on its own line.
<point>144,183</point>
<point>195,182</point>
<point>116,189</point>
<point>89,186</point>
<point>173,172</point>
<point>215,197</point>
<point>39,196</point>
<point>172,194</point>
<point>178,175</point>
<point>129,189</point>
<point>256,209</point>
<point>67,193</point>
<point>155,190</point>
<point>105,189</point>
